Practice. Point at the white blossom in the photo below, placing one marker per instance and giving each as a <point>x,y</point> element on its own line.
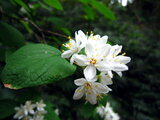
<point>74,46</point>
<point>40,106</point>
<point>30,111</point>
<point>20,112</point>
<point>116,62</point>
<point>29,108</point>
<point>107,113</point>
<point>93,58</point>
<point>93,53</point>
<point>90,88</point>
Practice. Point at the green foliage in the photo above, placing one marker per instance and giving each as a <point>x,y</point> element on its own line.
<point>100,7</point>
<point>51,115</point>
<point>35,64</point>
<point>54,3</point>
<point>10,36</point>
<point>22,4</point>
<point>136,96</point>
<point>7,107</point>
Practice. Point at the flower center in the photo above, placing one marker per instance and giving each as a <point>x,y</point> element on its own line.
<point>93,61</point>
<point>88,86</point>
<point>69,45</point>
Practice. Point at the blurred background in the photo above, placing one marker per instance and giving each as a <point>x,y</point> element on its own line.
<point>135,24</point>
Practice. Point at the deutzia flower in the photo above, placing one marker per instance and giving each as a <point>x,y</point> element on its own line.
<point>105,79</point>
<point>116,62</point>
<point>90,88</point>
<point>93,58</point>
<point>107,113</point>
<point>95,54</point>
<point>20,112</point>
<point>30,111</point>
<point>28,108</point>
<point>74,46</point>
<point>40,105</point>
<point>97,39</point>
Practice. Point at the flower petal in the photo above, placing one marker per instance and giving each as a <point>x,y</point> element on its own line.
<point>78,93</point>
<point>90,72</point>
<point>100,88</point>
<point>115,50</point>
<point>104,39</point>
<point>110,74</point>
<point>122,59</point>
<point>81,60</point>
<point>106,80</point>
<point>103,66</point>
<point>120,67</point>
<point>89,49</point>
<point>119,73</point>
<point>91,97</point>
<point>66,54</point>
<point>80,82</point>
<point>72,59</point>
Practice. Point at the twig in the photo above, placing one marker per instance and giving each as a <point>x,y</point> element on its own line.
<point>43,30</point>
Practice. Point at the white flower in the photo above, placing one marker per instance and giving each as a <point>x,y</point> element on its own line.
<point>40,106</point>
<point>30,111</point>
<point>89,88</point>
<point>56,111</point>
<point>75,46</point>
<point>105,79</point>
<point>29,108</point>
<point>97,39</point>
<point>20,112</point>
<point>107,113</point>
<point>38,118</point>
<point>116,62</point>
<point>93,58</point>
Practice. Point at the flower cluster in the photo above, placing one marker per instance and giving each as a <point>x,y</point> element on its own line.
<point>30,111</point>
<point>107,113</point>
<point>99,59</point>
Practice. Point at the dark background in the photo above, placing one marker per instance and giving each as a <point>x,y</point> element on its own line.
<point>135,96</point>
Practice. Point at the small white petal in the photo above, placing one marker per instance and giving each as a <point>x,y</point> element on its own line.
<point>122,59</point>
<point>104,39</point>
<point>90,72</point>
<point>78,93</point>
<point>89,49</point>
<point>119,73</point>
<point>110,74</point>
<point>66,54</point>
<point>91,97</point>
<point>72,59</point>
<point>81,60</point>
<point>103,66</point>
<point>120,67</point>
<point>80,82</point>
<point>100,88</point>
<point>106,80</point>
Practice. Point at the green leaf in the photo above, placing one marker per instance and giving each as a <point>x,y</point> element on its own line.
<point>22,4</point>
<point>10,36</point>
<point>104,10</point>
<point>35,64</point>
<point>51,115</point>
<point>7,107</point>
<point>54,3</point>
<point>87,110</point>
<point>100,7</point>
<point>89,12</point>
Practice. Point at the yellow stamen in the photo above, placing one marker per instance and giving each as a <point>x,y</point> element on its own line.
<point>88,85</point>
<point>124,54</point>
<point>93,61</point>
<point>69,37</point>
